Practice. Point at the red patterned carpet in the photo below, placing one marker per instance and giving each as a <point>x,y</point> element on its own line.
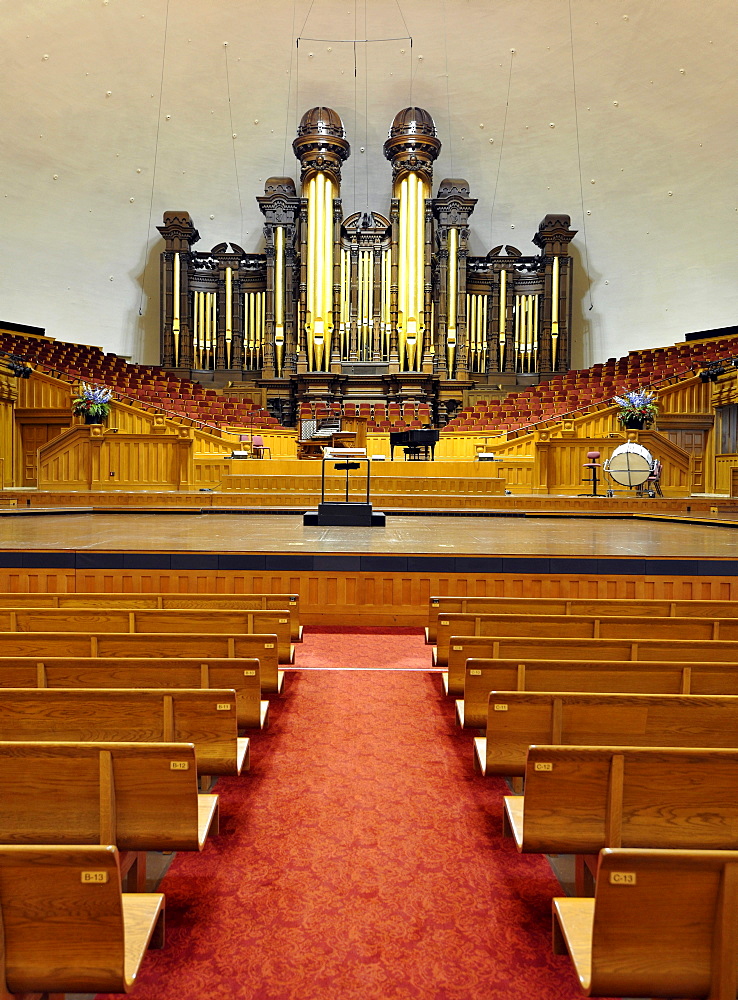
<point>365,648</point>
<point>361,859</point>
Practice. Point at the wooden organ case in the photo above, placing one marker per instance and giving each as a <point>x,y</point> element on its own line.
<point>370,305</point>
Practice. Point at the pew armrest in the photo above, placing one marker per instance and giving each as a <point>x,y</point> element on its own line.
<point>143,921</point>
<point>460,712</point>
<point>573,920</point>
<point>512,818</point>
<point>263,714</point>
<point>280,681</point>
<point>242,754</point>
<point>480,754</point>
<point>208,817</point>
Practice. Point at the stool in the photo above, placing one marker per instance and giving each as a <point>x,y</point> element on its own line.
<point>594,465</point>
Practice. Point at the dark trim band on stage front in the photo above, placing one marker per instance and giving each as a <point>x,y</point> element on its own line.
<point>303,563</point>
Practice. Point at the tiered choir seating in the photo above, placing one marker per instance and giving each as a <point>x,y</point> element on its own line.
<point>627,746</point>
<point>577,390</point>
<point>150,385</point>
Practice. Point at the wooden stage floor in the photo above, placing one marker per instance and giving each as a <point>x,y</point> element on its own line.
<point>508,537</point>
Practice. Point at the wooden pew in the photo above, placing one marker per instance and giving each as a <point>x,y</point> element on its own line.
<point>243,675</point>
<point>525,648</point>
<point>662,923</point>
<point>205,718</point>
<point>289,603</point>
<point>580,799</point>
<point>517,721</point>
<point>139,796</point>
<point>148,620</point>
<point>607,677</point>
<point>603,606</point>
<point>67,927</point>
<point>579,627</point>
<point>118,645</point>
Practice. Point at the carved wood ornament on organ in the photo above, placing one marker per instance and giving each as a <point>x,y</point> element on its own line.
<point>399,292</point>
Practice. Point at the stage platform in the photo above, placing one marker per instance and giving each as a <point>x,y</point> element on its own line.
<point>381,576</point>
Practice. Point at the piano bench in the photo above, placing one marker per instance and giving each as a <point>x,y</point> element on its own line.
<point>413,452</point>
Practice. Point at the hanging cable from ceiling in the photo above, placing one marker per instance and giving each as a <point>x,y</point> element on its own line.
<point>448,92</point>
<point>579,160</point>
<point>504,128</point>
<point>156,155</point>
<point>289,90</point>
<point>233,138</point>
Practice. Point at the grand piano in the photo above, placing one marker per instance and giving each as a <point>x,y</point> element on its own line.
<point>416,441</point>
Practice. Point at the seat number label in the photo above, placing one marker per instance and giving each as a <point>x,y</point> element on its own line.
<point>622,878</point>
<point>94,877</point>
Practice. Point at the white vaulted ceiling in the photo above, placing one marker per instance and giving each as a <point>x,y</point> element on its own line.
<point>644,160</point>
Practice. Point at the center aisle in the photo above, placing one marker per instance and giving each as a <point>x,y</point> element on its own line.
<point>361,859</point>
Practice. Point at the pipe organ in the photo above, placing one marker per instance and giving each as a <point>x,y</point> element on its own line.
<point>396,292</point>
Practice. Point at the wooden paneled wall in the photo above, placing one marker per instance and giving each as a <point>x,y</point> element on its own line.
<point>348,598</point>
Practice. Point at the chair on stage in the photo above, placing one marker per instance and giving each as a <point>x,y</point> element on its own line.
<point>593,465</point>
<point>652,485</point>
<point>258,447</point>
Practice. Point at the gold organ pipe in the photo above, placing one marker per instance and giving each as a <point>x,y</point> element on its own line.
<point>252,327</point>
<point>229,313</point>
<point>531,301</point>
<point>310,298</point>
<point>328,194</point>
<point>554,313</point>
<point>279,298</point>
<point>195,323</point>
<point>536,300</point>
<point>518,308</point>
<point>176,285</point>
<point>402,306</point>
<point>208,319</point>
<point>453,275</point>
<point>502,318</point>
<point>213,327</point>
<point>318,317</point>
<point>484,332</point>
<point>411,316</point>
<point>423,193</point>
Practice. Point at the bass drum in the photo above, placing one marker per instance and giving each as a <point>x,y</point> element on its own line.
<point>630,464</point>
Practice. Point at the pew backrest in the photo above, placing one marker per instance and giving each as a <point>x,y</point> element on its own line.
<point>205,718</point>
<point>524,648</point>
<point>148,620</point>
<point>243,675</point>
<point>661,924</point>
<point>581,799</point>
<point>517,720</point>
<point>138,796</point>
<point>225,602</point>
<point>608,676</point>
<point>116,645</point>
<point>604,606</point>
<point>580,627</point>
<point>66,926</point>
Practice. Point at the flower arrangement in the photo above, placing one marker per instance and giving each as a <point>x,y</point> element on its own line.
<point>92,403</point>
<point>637,408</point>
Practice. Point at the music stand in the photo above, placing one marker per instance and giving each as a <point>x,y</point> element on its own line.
<point>345,512</point>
